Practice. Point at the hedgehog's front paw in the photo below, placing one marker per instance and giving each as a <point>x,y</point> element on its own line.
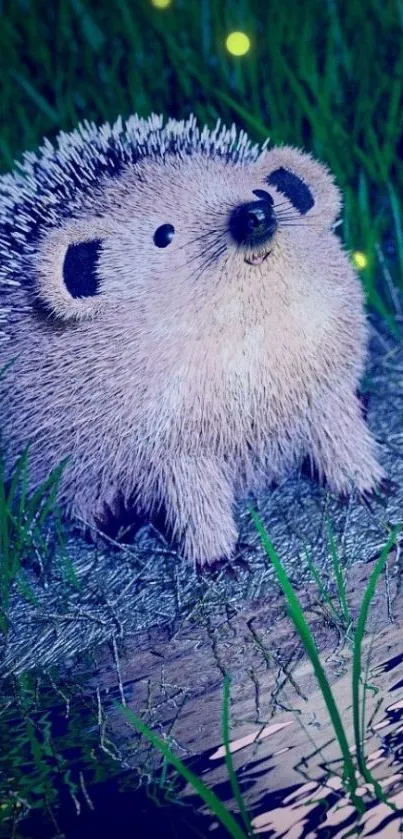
<point>343,447</point>
<point>355,468</point>
<point>199,503</point>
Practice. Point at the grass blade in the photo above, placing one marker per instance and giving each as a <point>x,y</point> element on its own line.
<point>92,33</point>
<point>397,219</point>
<point>304,632</point>
<point>358,636</point>
<point>20,465</point>
<point>213,802</point>
<point>321,588</point>
<point>338,573</point>
<point>228,759</point>
<point>36,97</point>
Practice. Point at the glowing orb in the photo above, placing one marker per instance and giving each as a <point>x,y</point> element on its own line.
<point>160,4</point>
<point>359,259</point>
<point>237,43</point>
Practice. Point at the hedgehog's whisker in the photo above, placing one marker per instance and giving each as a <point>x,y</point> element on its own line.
<point>300,220</point>
<point>210,254</point>
<point>216,232</point>
<point>299,224</point>
<point>212,257</point>
<point>292,215</point>
<point>210,261</point>
<point>289,217</point>
<point>310,223</point>
<point>206,249</point>
<point>218,240</point>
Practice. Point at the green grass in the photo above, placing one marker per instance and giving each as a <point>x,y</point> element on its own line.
<point>350,776</point>
<point>351,768</point>
<point>37,763</point>
<point>228,758</point>
<point>339,578</point>
<point>301,625</point>
<point>340,613</point>
<point>296,614</point>
<point>38,781</point>
<point>23,519</point>
<point>357,680</point>
<point>321,74</point>
<point>212,801</point>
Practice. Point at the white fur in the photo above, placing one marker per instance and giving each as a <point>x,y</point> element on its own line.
<point>186,383</point>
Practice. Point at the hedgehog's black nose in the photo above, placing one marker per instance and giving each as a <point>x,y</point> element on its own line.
<point>253,223</point>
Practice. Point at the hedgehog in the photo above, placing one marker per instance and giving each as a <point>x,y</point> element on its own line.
<point>184,326</point>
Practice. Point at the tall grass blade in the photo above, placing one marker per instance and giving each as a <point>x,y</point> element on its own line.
<point>321,588</point>
<point>210,799</point>
<point>339,576</point>
<point>358,636</point>
<point>228,758</point>
<point>4,542</point>
<point>397,219</point>
<point>36,97</point>
<point>304,632</point>
<point>92,33</point>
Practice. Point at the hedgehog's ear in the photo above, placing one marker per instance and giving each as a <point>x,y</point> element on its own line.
<point>68,282</point>
<point>307,184</point>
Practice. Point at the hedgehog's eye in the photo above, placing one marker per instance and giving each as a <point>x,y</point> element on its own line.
<point>163,235</point>
<point>263,195</point>
<point>80,268</point>
<point>293,188</point>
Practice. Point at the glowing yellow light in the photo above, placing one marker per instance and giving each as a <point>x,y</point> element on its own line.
<point>359,259</point>
<point>160,4</point>
<point>237,43</point>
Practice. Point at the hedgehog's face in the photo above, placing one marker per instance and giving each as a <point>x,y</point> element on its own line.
<point>169,231</point>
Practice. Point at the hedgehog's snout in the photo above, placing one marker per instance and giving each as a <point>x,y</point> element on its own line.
<point>253,223</point>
